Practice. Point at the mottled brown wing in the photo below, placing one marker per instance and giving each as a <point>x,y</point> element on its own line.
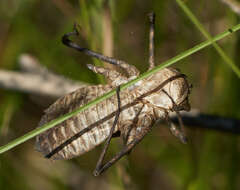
<point>57,135</point>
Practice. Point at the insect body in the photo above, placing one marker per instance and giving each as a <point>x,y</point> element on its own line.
<point>138,108</point>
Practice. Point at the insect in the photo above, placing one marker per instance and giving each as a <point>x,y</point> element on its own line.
<point>130,114</point>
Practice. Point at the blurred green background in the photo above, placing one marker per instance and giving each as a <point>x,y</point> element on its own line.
<point>120,28</point>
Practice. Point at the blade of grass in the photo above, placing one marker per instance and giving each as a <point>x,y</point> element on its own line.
<point>167,63</point>
<point>195,21</point>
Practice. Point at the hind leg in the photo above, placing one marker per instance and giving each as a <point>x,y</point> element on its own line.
<point>146,125</point>
<point>131,70</point>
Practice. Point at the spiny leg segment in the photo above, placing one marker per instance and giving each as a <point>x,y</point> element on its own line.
<point>131,70</point>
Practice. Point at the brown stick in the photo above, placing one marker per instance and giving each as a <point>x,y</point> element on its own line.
<point>195,119</point>
<point>36,79</point>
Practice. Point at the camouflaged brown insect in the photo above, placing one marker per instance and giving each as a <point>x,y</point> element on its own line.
<point>130,114</point>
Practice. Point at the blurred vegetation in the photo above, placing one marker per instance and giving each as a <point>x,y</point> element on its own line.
<point>120,28</point>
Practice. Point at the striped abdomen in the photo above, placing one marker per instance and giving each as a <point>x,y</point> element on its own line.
<point>100,117</point>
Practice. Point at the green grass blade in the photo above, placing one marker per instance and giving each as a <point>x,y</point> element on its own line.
<point>167,63</point>
<point>195,21</point>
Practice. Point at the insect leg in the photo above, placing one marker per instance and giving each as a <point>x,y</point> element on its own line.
<point>129,127</point>
<point>130,69</point>
<point>101,158</point>
<point>145,124</point>
<point>151,40</point>
<point>115,77</point>
<point>127,148</point>
<point>177,131</point>
<point>119,155</point>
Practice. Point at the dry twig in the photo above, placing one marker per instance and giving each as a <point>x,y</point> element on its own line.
<point>36,79</point>
<point>206,121</point>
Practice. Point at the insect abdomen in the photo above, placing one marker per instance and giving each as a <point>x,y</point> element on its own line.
<point>101,115</point>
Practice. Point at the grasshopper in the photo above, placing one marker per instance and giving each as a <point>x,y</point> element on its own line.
<point>130,114</point>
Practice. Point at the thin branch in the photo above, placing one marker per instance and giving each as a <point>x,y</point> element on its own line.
<point>30,64</point>
<point>195,119</point>
<point>36,79</point>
